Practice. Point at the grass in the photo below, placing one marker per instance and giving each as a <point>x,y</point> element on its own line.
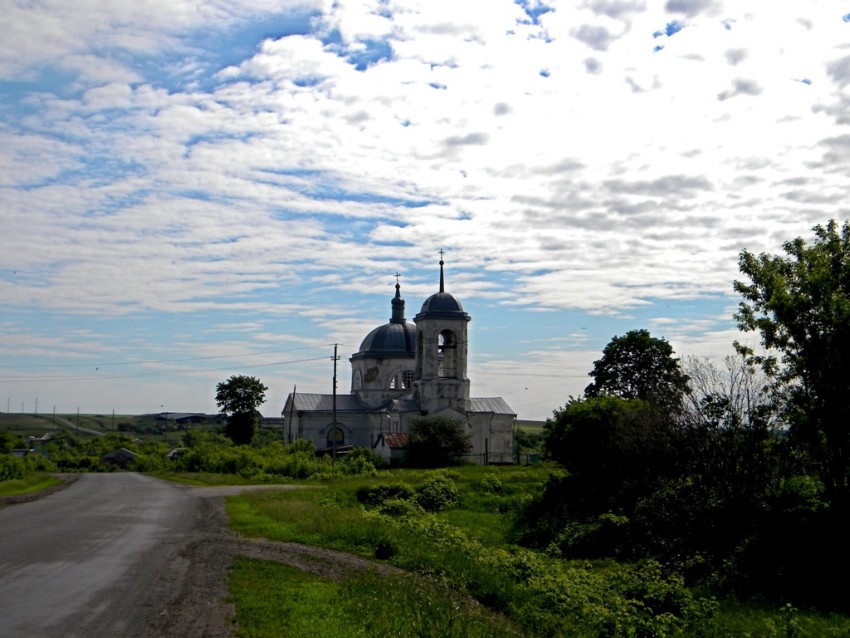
<point>469,550</point>
<point>34,482</point>
<point>275,600</point>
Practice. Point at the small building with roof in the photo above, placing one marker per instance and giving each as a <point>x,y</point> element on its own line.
<point>404,371</point>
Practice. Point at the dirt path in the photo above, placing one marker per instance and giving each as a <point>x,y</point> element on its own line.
<point>198,588</point>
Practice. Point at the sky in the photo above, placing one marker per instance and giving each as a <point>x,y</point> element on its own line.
<point>195,189</point>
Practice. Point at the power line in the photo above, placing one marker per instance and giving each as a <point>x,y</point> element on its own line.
<point>150,361</point>
<point>150,374</point>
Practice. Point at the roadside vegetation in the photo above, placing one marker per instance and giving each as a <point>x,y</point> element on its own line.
<point>457,530</point>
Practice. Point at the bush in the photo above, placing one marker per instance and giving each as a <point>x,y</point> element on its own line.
<point>437,493</point>
<point>377,495</point>
<point>397,508</point>
<point>12,468</point>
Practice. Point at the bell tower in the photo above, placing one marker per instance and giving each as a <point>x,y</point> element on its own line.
<point>441,352</point>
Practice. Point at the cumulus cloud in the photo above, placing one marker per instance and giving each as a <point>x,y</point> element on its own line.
<point>740,86</point>
<point>690,8</point>
<point>595,36</point>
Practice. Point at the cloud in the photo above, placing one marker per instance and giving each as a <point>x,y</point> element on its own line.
<point>617,8</point>
<point>735,56</point>
<point>839,71</point>
<point>690,8</point>
<point>593,66</point>
<point>594,36</point>
<point>740,86</point>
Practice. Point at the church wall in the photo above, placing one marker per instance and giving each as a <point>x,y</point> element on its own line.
<point>314,427</point>
<point>377,376</point>
<point>491,434</point>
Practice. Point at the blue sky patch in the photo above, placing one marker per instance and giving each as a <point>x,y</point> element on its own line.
<point>307,81</point>
<point>374,51</point>
<point>670,30</point>
<point>533,9</point>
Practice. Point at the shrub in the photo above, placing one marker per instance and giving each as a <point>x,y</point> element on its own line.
<point>12,468</point>
<point>377,495</point>
<point>437,493</point>
<point>397,507</point>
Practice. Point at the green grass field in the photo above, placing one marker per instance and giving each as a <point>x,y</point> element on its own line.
<point>35,482</point>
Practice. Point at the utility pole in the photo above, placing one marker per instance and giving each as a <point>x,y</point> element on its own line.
<point>291,410</point>
<point>78,420</point>
<point>333,427</point>
<point>36,406</point>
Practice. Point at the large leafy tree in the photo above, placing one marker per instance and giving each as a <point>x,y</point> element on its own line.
<point>238,399</point>
<point>436,441</point>
<point>612,447</point>
<point>799,302</point>
<point>639,366</point>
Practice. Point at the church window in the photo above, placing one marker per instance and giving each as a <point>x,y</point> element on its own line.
<point>357,382</point>
<point>402,380</point>
<point>407,378</point>
<point>336,437</point>
<point>447,355</point>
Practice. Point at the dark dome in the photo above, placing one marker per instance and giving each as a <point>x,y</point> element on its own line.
<point>441,304</point>
<point>392,340</point>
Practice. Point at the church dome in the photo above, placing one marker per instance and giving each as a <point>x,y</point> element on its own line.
<point>392,340</point>
<point>441,304</point>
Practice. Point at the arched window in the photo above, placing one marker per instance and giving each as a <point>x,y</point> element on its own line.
<point>336,437</point>
<point>407,378</point>
<point>402,380</point>
<point>447,355</point>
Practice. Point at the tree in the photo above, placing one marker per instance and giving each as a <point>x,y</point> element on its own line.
<point>435,441</point>
<point>238,399</point>
<point>742,390</point>
<point>800,304</point>
<point>613,448</point>
<point>639,366</point>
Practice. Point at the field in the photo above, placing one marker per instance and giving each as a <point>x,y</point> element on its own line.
<point>143,427</point>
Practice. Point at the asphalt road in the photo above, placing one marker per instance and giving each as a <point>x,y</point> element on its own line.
<point>96,559</point>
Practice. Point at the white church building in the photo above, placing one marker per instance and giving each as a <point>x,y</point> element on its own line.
<point>404,371</point>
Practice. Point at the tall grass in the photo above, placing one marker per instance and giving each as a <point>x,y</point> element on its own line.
<point>274,600</point>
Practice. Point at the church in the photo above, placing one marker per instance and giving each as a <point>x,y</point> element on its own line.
<point>404,371</point>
